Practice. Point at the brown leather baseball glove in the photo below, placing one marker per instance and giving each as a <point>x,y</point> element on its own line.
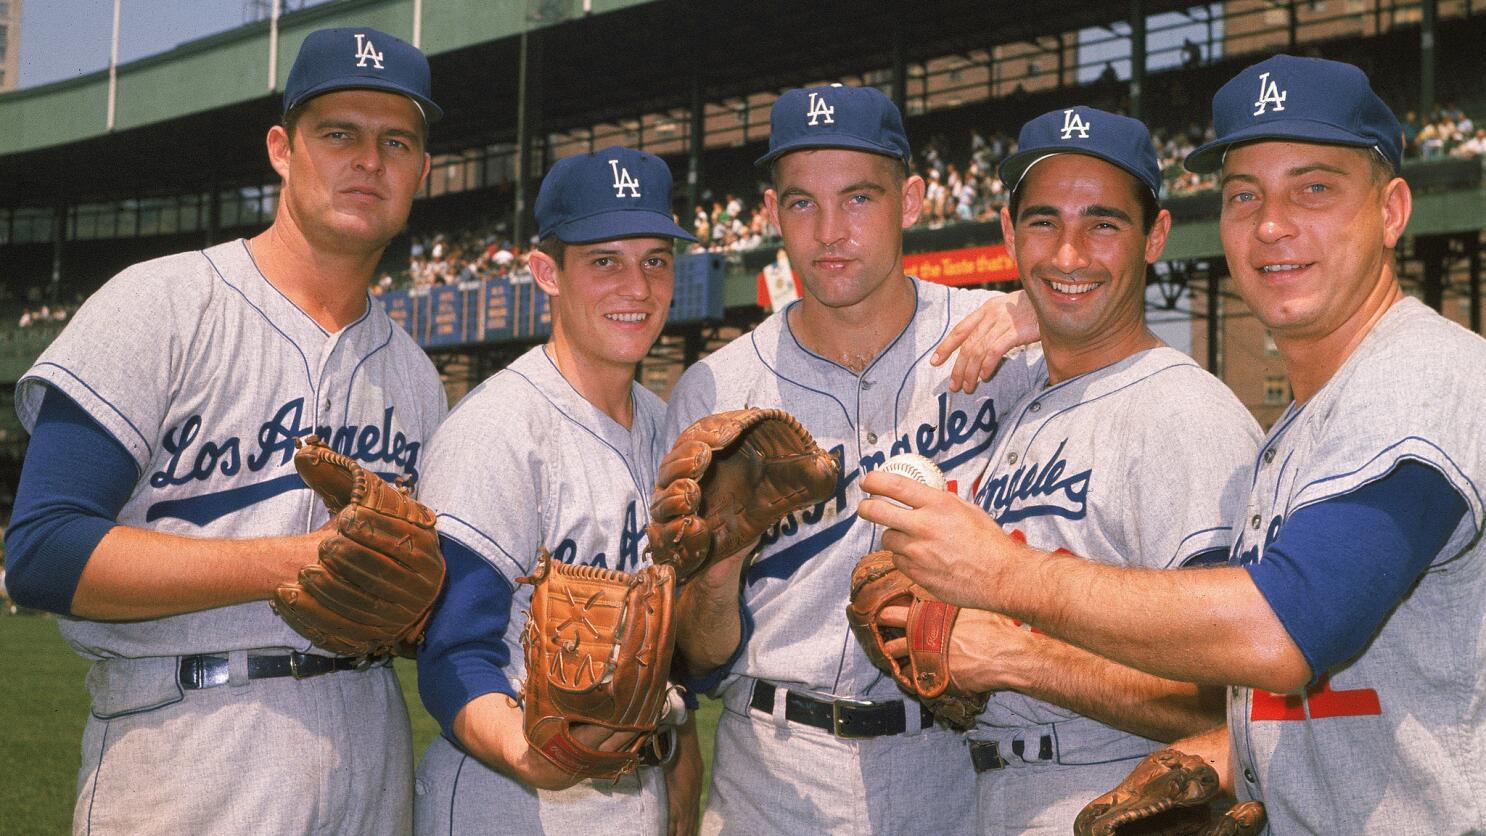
<point>1170,793</point>
<point>598,649</point>
<point>875,585</point>
<point>377,577</point>
<point>729,477</point>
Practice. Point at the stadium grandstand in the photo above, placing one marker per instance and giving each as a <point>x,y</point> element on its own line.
<point>103,170</point>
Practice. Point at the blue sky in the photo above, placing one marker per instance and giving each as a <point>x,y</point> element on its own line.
<point>63,39</point>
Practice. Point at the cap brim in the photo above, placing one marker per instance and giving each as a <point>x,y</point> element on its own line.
<point>622,223</point>
<point>1014,167</point>
<point>1209,157</point>
<point>431,112</point>
<point>848,142</point>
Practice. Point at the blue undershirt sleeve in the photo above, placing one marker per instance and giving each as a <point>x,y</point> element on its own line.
<point>75,480</point>
<point>464,654</point>
<point>1340,566</point>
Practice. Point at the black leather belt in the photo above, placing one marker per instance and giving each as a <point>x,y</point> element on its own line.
<point>843,718</point>
<point>986,754</point>
<point>198,672</point>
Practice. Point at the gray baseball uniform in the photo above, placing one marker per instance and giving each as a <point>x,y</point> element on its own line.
<point>1131,465</point>
<point>771,774</point>
<point>1393,742</point>
<point>526,462</point>
<point>206,374</point>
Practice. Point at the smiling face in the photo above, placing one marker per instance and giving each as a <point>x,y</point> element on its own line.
<point>842,214</point>
<point>609,299</point>
<point>1081,250</point>
<point>351,169</point>
<point>1308,231</point>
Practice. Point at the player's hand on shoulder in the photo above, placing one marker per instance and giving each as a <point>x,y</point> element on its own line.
<point>980,340</point>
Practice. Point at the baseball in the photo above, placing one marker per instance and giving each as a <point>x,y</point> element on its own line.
<point>915,467</point>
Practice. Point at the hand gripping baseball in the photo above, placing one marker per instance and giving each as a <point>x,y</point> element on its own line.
<point>1170,793</point>
<point>377,577</point>
<point>598,648</point>
<point>728,478</point>
<point>877,585</point>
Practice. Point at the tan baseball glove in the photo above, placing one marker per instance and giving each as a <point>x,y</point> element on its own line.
<point>1169,794</point>
<point>729,477</point>
<point>598,650</point>
<point>875,585</point>
<point>377,577</point>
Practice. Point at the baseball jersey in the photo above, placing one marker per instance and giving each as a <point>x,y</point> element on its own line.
<point>1391,741</point>
<point>1132,464</point>
<point>795,590</point>
<point>206,374</point>
<point>525,462</point>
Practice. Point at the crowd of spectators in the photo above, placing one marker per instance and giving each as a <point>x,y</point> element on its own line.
<point>1448,132</point>
<point>42,315</point>
<point>959,187</point>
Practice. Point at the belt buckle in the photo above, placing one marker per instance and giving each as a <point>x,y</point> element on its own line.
<point>838,722</point>
<point>367,661</point>
<point>294,660</point>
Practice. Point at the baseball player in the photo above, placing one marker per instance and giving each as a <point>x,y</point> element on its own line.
<point>1074,468</point>
<point>1350,620</point>
<point>556,451</point>
<point>158,507</point>
<point>812,734</point>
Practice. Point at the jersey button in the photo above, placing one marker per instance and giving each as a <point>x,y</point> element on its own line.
<point>1037,405</point>
<point>1254,521</point>
<point>1269,455</point>
<point>1011,458</point>
<point>871,438</point>
<point>866,384</point>
<point>1248,775</point>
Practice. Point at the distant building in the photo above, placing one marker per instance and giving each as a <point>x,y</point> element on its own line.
<point>10,43</point>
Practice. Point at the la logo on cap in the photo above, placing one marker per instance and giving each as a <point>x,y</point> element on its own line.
<point>623,181</point>
<point>820,110</point>
<point>367,51</point>
<point>1269,94</point>
<point>1073,122</point>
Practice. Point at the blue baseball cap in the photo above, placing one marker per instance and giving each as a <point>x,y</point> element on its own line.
<point>604,195</point>
<point>1118,140</point>
<point>836,116</point>
<point>1300,100</point>
<point>359,58</point>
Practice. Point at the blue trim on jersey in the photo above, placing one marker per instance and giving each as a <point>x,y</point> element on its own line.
<point>351,381</point>
<point>1340,566</point>
<point>149,449</point>
<point>209,507</point>
<point>1446,456</point>
<point>248,251</point>
<point>515,564</point>
<point>628,465</point>
<point>309,377</point>
<point>787,561</point>
<point>885,349</point>
<point>912,367</point>
<point>75,480</point>
<point>845,413</point>
<point>464,653</point>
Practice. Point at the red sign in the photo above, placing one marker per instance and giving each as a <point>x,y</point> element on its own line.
<point>972,265</point>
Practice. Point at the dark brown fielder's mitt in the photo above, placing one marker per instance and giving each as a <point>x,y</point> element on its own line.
<point>875,585</point>
<point>377,577</point>
<point>1170,793</point>
<point>729,477</point>
<point>598,649</point>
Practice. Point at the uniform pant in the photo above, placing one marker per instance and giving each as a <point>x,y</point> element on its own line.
<point>327,755</point>
<point>770,775</point>
<point>1050,773</point>
<point>456,794</point>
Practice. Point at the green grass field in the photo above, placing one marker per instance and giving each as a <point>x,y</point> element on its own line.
<point>43,705</point>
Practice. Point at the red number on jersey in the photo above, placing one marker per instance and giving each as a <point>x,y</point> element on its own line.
<point>1324,702</point>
